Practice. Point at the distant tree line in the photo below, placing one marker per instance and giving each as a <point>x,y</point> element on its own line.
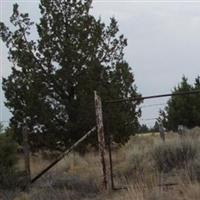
<point>143,128</point>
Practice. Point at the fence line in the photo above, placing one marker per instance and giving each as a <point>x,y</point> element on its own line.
<point>99,120</point>
<point>152,105</point>
<point>139,98</point>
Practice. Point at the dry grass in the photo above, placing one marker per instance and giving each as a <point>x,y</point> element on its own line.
<point>79,177</point>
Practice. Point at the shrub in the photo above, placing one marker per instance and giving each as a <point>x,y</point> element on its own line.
<point>193,170</point>
<point>174,155</point>
<point>8,160</point>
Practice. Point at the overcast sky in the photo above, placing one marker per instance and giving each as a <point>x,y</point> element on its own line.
<point>163,42</point>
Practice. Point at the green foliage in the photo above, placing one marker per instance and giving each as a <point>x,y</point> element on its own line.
<point>143,128</point>
<point>174,155</point>
<point>155,127</point>
<point>53,79</point>
<point>182,110</point>
<point>7,160</point>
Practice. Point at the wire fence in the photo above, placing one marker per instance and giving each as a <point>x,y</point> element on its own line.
<point>100,129</point>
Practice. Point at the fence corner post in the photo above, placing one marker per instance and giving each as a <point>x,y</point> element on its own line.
<point>101,137</point>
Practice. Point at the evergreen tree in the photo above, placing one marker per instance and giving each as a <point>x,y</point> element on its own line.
<point>155,127</point>
<point>184,109</point>
<point>51,85</point>
<point>196,103</point>
<point>143,128</point>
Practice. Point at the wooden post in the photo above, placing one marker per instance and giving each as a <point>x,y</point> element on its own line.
<point>26,157</point>
<point>181,131</point>
<point>101,137</point>
<point>162,132</point>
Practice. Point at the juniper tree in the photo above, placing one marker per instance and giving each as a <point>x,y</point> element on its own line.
<point>184,109</point>
<point>51,85</point>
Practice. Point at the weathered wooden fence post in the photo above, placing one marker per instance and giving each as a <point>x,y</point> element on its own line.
<point>101,137</point>
<point>181,131</point>
<point>162,132</point>
<point>26,157</point>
